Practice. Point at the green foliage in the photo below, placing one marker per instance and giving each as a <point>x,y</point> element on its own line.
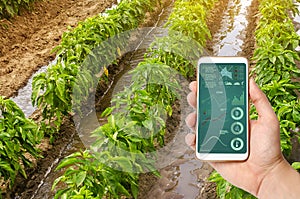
<point>9,8</point>
<point>52,94</point>
<point>188,33</point>
<point>159,80</point>
<point>225,190</point>
<point>276,67</point>
<point>274,55</point>
<point>277,10</point>
<point>52,91</point>
<point>78,43</point>
<point>279,33</point>
<point>178,51</point>
<point>18,138</point>
<point>187,17</point>
<point>296,165</point>
<point>135,124</point>
<point>134,130</point>
<point>274,72</point>
<point>88,176</point>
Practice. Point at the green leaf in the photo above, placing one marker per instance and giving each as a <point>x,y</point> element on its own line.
<point>123,162</point>
<point>68,162</point>
<point>107,111</point>
<point>272,59</point>
<point>80,177</point>
<point>148,124</point>
<point>62,193</point>
<point>290,57</point>
<point>60,85</point>
<point>56,181</point>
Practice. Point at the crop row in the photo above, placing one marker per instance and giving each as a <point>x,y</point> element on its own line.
<point>126,145</point>
<point>52,90</point>
<point>18,139</point>
<point>277,74</point>
<point>9,8</point>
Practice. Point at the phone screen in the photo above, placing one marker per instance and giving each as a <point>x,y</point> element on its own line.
<point>222,108</point>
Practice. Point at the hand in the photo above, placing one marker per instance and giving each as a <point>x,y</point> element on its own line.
<point>265,154</point>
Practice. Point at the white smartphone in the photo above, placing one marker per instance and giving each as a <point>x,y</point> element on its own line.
<point>222,109</point>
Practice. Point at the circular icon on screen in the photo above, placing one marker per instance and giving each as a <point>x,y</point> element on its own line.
<point>237,128</point>
<point>237,144</point>
<point>237,113</point>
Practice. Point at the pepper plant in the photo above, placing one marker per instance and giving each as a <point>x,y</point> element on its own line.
<point>275,72</point>
<point>136,122</point>
<point>10,8</point>
<point>52,90</point>
<point>18,138</point>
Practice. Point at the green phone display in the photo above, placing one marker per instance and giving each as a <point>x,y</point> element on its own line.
<point>222,108</point>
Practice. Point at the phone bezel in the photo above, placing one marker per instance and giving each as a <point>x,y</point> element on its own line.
<point>224,156</point>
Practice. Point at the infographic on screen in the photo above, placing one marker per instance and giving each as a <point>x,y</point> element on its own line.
<point>222,113</point>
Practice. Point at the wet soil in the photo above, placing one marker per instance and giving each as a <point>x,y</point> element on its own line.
<point>26,45</point>
<point>148,180</point>
<point>25,188</point>
<point>249,43</point>
<point>27,40</point>
<point>214,22</point>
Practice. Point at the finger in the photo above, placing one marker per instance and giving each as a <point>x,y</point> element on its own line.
<point>192,99</point>
<point>261,102</point>
<point>191,120</point>
<point>193,86</point>
<point>190,140</point>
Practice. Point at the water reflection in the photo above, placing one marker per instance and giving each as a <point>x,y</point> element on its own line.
<point>229,40</point>
<point>23,99</point>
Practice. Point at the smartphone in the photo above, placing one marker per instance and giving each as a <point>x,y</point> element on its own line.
<point>222,109</point>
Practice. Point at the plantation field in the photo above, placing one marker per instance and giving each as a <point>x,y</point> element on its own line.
<point>126,65</point>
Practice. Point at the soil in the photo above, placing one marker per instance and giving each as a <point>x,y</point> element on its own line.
<point>249,43</point>
<point>214,22</point>
<point>27,40</point>
<point>24,188</point>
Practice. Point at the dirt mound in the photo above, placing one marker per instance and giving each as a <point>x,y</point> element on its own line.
<point>27,40</point>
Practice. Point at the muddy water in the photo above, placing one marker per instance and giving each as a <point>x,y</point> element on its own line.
<point>182,177</point>
<point>178,175</point>
<point>23,99</point>
<point>230,38</point>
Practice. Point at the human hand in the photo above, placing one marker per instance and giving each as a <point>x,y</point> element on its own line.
<point>265,154</point>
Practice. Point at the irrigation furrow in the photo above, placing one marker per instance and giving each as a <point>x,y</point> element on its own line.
<point>75,144</point>
<point>184,177</point>
<point>230,38</point>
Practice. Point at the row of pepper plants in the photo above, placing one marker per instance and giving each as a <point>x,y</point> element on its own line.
<point>19,135</point>
<point>18,139</point>
<point>52,90</point>
<point>126,145</point>
<point>10,8</point>
<point>277,74</point>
